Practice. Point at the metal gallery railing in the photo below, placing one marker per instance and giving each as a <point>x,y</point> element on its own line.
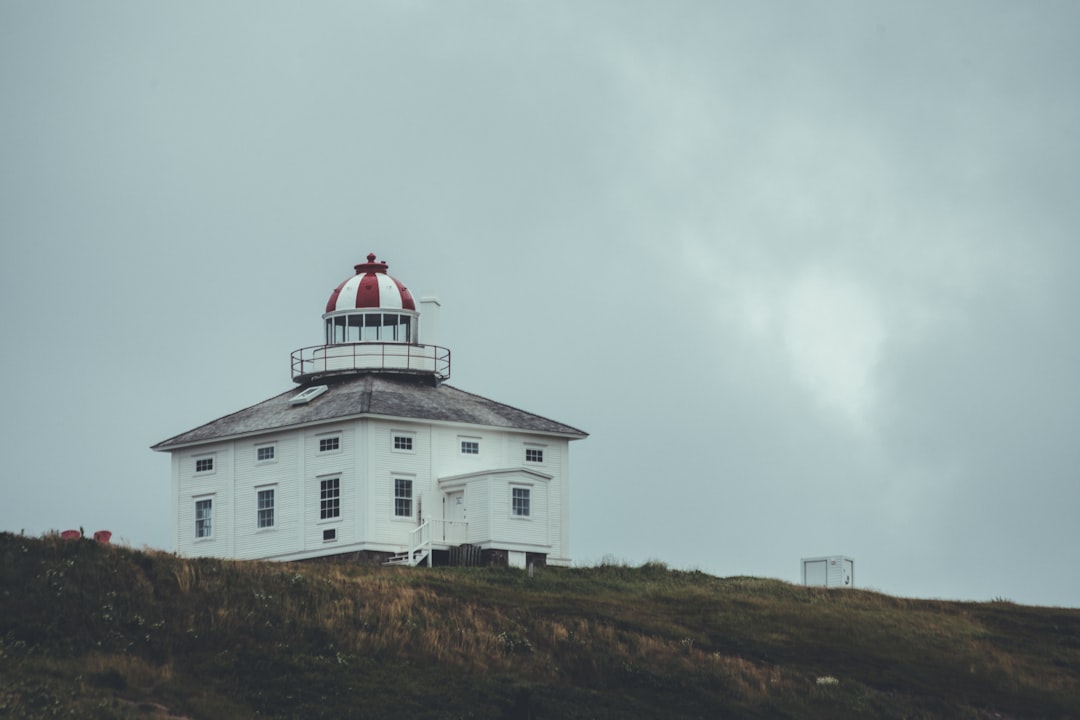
<point>318,360</point>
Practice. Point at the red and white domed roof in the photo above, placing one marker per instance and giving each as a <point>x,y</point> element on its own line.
<point>371,287</point>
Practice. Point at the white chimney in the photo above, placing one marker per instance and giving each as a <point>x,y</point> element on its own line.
<point>429,320</point>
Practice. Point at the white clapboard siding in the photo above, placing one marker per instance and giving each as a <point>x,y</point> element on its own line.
<point>213,485</point>
<point>449,460</point>
<point>279,474</point>
<point>508,530</point>
<point>322,465</point>
<point>478,511</point>
<point>387,464</point>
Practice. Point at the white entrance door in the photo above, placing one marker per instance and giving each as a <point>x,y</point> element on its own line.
<point>456,517</point>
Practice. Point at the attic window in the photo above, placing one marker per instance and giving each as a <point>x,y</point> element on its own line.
<point>308,395</point>
<point>203,465</point>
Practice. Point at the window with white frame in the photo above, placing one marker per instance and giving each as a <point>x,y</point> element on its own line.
<point>204,515</point>
<point>403,497</point>
<point>330,444</point>
<point>535,455</point>
<point>329,498</point>
<point>266,508</point>
<point>329,535</point>
<point>519,502</point>
<point>204,464</point>
<point>403,442</point>
<point>470,447</point>
<point>265,453</point>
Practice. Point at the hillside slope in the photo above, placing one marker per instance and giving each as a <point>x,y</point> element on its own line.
<point>96,631</point>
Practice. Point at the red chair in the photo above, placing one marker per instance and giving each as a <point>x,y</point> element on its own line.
<point>102,536</point>
<point>71,534</point>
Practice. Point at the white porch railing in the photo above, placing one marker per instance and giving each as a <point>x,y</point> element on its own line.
<point>419,547</point>
<point>450,532</point>
<point>420,543</point>
<point>426,534</point>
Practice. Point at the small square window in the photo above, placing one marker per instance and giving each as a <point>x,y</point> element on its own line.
<point>329,535</point>
<point>266,508</point>
<point>264,453</point>
<point>520,502</point>
<point>470,447</point>
<point>204,514</point>
<point>204,464</point>
<point>403,442</point>
<point>329,444</point>
<point>534,455</point>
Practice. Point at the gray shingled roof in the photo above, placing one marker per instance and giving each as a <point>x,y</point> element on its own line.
<point>391,395</point>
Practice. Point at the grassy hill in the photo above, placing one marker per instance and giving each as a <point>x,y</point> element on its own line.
<point>94,631</point>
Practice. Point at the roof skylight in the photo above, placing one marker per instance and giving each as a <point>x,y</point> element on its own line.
<point>308,395</point>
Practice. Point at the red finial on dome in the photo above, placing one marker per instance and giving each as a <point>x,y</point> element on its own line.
<point>371,287</point>
<point>370,266</point>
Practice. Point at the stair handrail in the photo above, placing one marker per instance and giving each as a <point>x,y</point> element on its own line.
<point>419,538</point>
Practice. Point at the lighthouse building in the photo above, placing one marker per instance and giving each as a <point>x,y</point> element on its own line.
<point>373,455</point>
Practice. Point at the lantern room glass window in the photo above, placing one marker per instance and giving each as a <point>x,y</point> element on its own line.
<point>369,327</point>
<point>354,328</point>
<point>372,325</point>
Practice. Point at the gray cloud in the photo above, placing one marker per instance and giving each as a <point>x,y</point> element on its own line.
<point>805,274</point>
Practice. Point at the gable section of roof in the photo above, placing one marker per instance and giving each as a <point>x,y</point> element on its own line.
<point>400,396</point>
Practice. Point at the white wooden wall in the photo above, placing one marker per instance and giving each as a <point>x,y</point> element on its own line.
<point>366,464</point>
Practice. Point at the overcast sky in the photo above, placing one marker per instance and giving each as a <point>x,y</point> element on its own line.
<point>806,272</point>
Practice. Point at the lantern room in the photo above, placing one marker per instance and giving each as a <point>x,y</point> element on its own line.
<point>371,324</point>
<point>371,306</point>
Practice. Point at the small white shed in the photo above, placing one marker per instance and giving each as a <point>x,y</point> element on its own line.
<point>831,571</point>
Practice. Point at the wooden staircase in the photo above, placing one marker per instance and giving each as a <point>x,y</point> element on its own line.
<point>419,548</point>
<point>410,559</point>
